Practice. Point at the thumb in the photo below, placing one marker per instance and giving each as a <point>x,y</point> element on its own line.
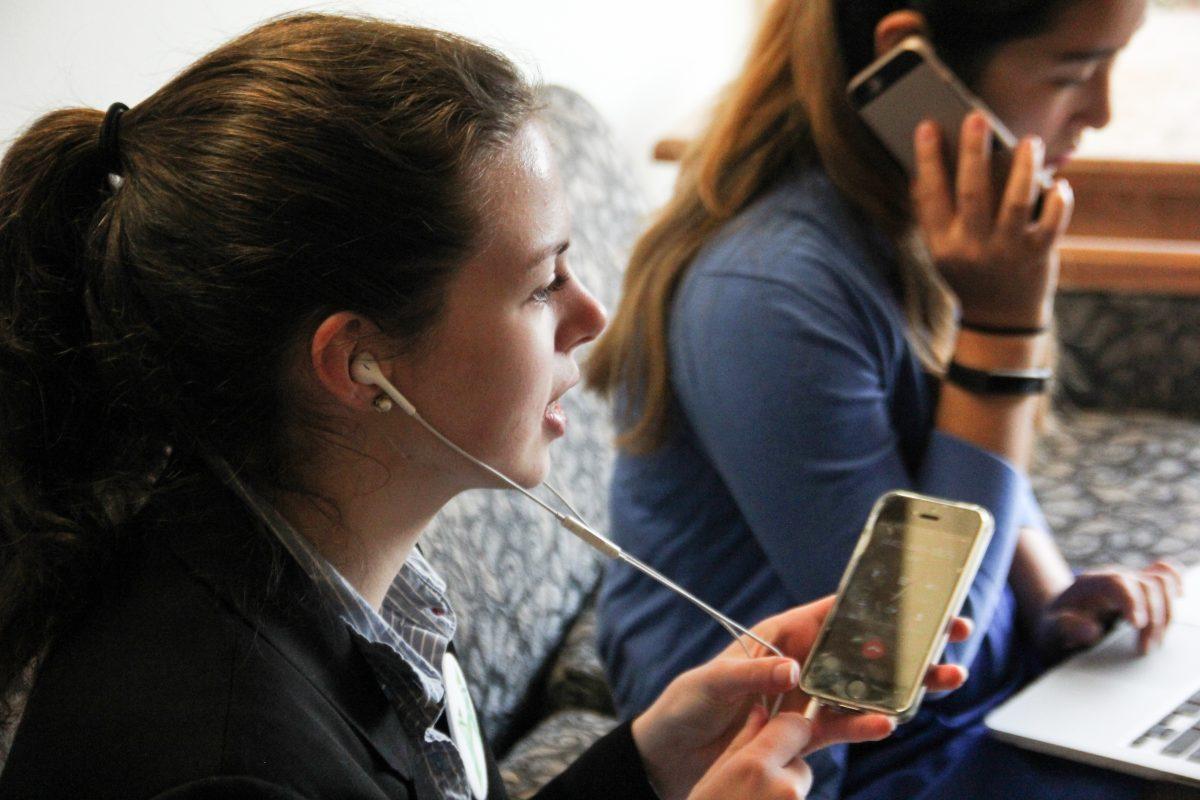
<point>1074,631</point>
<point>756,720</point>
<point>781,741</point>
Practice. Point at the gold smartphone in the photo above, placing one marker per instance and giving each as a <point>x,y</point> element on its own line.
<point>907,579</point>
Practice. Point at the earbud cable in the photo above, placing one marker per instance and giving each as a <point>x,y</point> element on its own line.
<point>602,544</point>
<point>366,370</point>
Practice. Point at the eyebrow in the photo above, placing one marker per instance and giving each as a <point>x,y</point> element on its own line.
<point>1099,54</point>
<point>556,249</point>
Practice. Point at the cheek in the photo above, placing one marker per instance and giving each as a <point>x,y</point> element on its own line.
<point>1030,110</point>
<point>512,378</point>
<point>1010,87</point>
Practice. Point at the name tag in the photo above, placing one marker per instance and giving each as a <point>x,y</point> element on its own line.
<point>464,726</point>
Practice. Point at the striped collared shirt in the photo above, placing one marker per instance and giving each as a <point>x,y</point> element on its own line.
<point>402,642</point>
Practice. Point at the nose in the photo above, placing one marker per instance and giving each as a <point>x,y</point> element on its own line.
<point>582,320</point>
<point>1097,111</point>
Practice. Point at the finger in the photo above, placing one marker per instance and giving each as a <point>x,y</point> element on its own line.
<point>722,683</point>
<point>1016,209</point>
<point>945,677</point>
<point>960,629</point>
<point>834,727</point>
<point>1148,634</point>
<point>798,778</point>
<point>794,630</point>
<point>1074,630</point>
<point>1056,211</point>
<point>974,184</point>
<point>1114,592</point>
<point>781,740</point>
<point>1171,572</point>
<point>931,186</point>
<point>756,720</point>
<point>1131,594</point>
<point>1164,593</point>
<point>1157,607</point>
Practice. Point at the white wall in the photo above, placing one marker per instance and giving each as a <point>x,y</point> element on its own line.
<point>648,65</point>
<point>1155,102</point>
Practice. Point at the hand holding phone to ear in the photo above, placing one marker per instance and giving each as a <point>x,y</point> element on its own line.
<point>1000,261</point>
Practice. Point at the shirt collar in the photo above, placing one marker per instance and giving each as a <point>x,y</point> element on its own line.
<point>405,641</point>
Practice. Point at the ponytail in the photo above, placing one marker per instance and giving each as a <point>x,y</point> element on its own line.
<point>62,458</point>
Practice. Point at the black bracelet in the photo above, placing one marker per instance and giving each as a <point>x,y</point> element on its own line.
<point>1000,330</point>
<point>998,382</point>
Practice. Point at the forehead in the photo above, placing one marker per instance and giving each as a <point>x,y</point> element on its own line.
<point>523,204</point>
<point>1090,29</point>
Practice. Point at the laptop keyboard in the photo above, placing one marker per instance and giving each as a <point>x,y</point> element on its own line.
<point>1178,733</point>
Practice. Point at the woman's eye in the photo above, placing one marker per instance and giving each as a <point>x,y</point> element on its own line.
<point>1068,83</point>
<point>542,295</point>
<point>1071,80</point>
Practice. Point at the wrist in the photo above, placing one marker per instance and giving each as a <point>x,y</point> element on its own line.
<point>639,731</point>
<point>999,383</point>
<point>990,352</point>
<point>1001,330</point>
<point>1035,319</point>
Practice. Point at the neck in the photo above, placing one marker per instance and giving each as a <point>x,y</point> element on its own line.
<point>365,532</point>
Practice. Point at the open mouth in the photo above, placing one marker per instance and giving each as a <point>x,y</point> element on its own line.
<point>556,417</point>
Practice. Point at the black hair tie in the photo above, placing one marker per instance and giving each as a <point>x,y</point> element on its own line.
<point>110,146</point>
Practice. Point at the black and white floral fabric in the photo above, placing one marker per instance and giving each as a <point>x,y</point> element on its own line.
<point>1121,488</point>
<point>1125,351</point>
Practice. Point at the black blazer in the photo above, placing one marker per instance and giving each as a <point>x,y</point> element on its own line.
<point>208,667</point>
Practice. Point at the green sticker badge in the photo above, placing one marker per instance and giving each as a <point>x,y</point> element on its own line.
<point>464,726</point>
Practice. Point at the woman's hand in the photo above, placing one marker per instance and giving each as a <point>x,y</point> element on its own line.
<point>703,731</point>
<point>1001,263</point>
<point>1084,613</point>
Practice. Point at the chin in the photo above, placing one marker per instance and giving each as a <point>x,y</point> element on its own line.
<point>535,471</point>
<point>526,473</point>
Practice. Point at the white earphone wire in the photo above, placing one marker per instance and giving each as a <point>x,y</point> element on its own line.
<point>366,370</point>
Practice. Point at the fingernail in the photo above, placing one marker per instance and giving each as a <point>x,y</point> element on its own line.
<point>926,132</point>
<point>1037,147</point>
<point>787,674</point>
<point>978,122</point>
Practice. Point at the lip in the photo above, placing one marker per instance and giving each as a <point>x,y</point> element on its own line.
<point>555,417</point>
<point>1061,160</point>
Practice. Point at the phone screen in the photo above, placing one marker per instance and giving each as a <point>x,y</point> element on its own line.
<point>875,646</point>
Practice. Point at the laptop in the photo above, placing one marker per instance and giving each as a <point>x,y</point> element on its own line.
<point>1110,707</point>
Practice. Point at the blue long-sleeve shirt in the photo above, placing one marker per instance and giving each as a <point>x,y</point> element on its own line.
<point>800,402</point>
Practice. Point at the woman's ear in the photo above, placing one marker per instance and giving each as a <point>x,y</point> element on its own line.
<point>335,343</point>
<point>896,27</point>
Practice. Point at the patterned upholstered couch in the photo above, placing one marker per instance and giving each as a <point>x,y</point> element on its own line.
<point>1118,473</point>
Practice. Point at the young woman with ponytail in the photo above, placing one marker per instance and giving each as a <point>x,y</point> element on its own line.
<point>782,356</point>
<point>208,527</point>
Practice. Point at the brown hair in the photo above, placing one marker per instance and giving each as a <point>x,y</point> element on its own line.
<point>788,109</point>
<point>317,163</point>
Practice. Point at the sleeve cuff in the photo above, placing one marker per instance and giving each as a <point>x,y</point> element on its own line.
<point>612,767</point>
<point>957,470</point>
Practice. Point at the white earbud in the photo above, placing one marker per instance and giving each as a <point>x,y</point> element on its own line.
<point>365,370</point>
